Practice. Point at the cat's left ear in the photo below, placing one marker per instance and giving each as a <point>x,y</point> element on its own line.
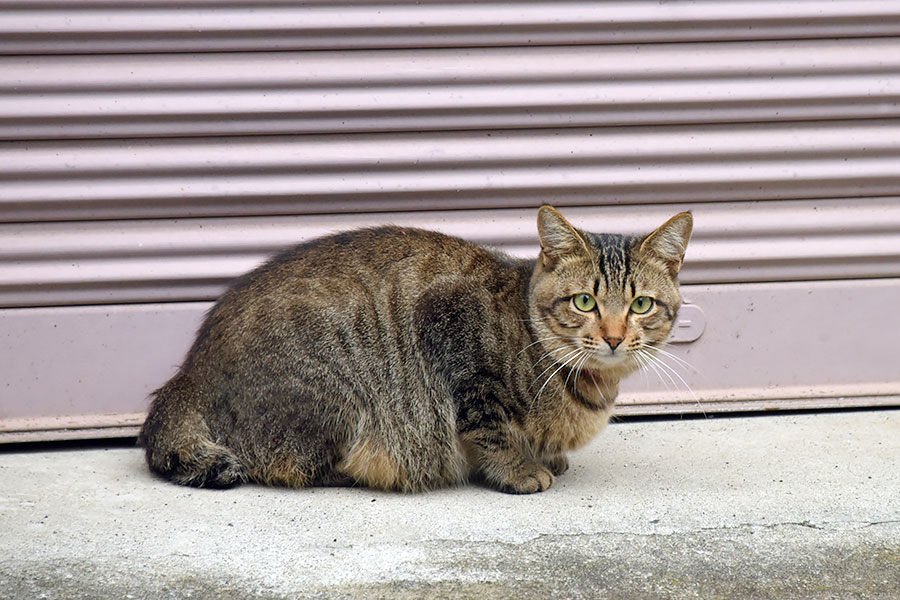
<point>669,243</point>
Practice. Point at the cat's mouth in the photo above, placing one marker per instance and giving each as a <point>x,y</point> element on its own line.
<point>612,358</point>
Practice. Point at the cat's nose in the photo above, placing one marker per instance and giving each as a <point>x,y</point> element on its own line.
<point>613,342</point>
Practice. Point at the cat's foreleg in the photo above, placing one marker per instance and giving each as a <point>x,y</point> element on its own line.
<point>457,328</point>
<point>557,463</point>
<point>503,457</point>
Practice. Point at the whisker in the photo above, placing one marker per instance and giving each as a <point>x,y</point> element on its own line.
<point>562,360</point>
<point>642,367</point>
<point>546,339</point>
<point>572,370</point>
<point>540,320</point>
<point>659,363</point>
<point>599,391</point>
<point>580,366</point>
<point>689,388</point>
<point>546,354</point>
<point>552,375</point>
<point>579,363</point>
<point>651,363</point>
<point>668,370</point>
<point>673,357</point>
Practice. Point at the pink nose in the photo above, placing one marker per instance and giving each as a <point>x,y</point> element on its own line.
<point>613,342</point>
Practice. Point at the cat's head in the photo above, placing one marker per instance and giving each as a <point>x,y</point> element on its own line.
<point>598,301</point>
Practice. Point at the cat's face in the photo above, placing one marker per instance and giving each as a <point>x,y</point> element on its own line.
<point>602,302</point>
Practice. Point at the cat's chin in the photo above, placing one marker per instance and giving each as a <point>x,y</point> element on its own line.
<point>610,362</point>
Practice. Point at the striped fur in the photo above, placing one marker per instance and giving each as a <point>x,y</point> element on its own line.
<point>408,360</point>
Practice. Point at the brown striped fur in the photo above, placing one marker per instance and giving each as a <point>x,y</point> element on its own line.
<point>408,360</point>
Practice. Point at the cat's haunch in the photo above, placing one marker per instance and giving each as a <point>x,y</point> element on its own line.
<point>405,359</point>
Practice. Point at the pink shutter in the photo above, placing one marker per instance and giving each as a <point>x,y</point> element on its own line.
<point>149,156</point>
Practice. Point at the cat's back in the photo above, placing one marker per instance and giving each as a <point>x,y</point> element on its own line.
<point>377,255</point>
<point>351,279</point>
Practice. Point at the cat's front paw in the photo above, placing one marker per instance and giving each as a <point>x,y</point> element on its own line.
<point>531,480</point>
<point>558,464</point>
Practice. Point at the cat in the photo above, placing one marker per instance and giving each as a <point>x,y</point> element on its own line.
<point>404,359</point>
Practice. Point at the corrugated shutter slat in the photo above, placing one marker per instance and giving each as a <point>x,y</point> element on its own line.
<point>330,92</point>
<point>76,180</point>
<point>112,26</point>
<point>193,259</point>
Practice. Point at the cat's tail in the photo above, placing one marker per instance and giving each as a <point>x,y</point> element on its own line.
<point>178,442</point>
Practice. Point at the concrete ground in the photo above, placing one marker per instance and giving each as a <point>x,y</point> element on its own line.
<point>780,506</point>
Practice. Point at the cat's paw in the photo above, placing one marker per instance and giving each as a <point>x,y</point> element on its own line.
<point>528,481</point>
<point>558,464</point>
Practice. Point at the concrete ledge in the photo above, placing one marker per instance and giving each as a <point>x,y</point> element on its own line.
<point>782,506</point>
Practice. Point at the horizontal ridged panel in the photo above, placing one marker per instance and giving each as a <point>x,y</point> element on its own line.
<point>328,92</point>
<point>61,26</point>
<point>193,259</point>
<point>413,171</point>
<point>106,360</point>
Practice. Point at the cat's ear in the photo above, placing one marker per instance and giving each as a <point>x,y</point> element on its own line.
<point>669,243</point>
<point>558,237</point>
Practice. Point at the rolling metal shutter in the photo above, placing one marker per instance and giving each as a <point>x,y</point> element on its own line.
<point>150,152</point>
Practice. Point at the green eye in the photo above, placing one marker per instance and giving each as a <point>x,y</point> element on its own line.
<point>641,305</point>
<point>584,302</point>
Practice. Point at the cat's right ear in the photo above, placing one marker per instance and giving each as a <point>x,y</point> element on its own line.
<point>558,237</point>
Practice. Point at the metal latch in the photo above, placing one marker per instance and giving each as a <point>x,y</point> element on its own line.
<point>689,325</point>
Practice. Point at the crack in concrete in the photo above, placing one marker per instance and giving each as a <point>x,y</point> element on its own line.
<point>832,526</point>
<point>890,522</point>
<point>807,524</point>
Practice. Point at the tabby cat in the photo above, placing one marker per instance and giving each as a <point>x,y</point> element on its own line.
<point>405,359</point>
